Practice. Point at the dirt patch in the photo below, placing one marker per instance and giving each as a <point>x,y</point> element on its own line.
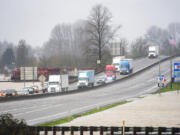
<point>154,110</point>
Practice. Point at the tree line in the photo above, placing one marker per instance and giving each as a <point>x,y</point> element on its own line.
<point>85,42</point>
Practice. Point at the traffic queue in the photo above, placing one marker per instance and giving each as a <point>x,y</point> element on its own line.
<point>60,82</point>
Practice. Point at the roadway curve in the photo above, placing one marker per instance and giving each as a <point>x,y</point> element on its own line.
<point>37,111</point>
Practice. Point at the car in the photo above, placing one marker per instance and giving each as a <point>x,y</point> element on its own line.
<point>29,89</point>
<point>23,91</point>
<point>2,93</point>
<point>101,80</point>
<point>11,92</point>
<point>109,79</point>
<point>35,88</point>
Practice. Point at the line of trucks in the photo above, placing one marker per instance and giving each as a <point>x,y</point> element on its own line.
<point>120,64</point>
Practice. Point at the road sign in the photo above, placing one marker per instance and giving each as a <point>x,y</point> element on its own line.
<point>42,78</point>
<point>176,72</point>
<point>161,80</point>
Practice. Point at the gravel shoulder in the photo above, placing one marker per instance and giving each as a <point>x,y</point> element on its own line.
<point>153,110</point>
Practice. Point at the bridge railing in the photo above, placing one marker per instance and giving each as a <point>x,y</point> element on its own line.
<point>106,130</point>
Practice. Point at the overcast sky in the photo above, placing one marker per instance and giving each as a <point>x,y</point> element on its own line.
<point>33,20</point>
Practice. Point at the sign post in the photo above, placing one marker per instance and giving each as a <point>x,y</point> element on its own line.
<point>176,72</point>
<point>161,80</point>
<point>42,79</point>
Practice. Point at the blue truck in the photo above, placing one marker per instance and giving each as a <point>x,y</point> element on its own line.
<point>85,78</point>
<point>126,66</point>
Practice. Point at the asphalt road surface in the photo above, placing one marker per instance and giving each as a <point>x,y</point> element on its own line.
<point>37,111</point>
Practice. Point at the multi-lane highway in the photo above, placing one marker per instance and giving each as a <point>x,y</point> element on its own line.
<point>137,63</point>
<point>46,109</point>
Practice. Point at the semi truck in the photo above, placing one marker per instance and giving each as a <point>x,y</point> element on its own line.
<point>153,51</point>
<point>110,73</point>
<point>126,66</point>
<point>58,83</point>
<point>85,78</point>
<point>116,62</point>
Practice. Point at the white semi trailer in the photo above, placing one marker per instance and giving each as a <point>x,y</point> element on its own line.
<point>58,83</point>
<point>153,51</point>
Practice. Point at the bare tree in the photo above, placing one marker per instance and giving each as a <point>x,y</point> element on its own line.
<point>139,48</point>
<point>99,29</point>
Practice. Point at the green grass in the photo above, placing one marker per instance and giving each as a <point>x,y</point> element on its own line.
<point>175,86</point>
<point>68,119</point>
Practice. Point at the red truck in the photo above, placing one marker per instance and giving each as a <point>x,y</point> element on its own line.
<point>110,73</point>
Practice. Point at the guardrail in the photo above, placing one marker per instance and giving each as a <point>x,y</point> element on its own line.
<point>4,99</point>
<point>106,130</point>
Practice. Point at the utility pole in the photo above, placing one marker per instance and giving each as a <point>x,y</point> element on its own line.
<point>159,61</point>
<point>24,77</point>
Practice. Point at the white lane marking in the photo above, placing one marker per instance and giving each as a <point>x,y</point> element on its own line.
<point>150,89</point>
<point>45,117</point>
<point>40,109</point>
<point>137,85</point>
<point>24,108</point>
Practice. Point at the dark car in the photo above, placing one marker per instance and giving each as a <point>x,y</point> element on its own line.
<point>11,92</point>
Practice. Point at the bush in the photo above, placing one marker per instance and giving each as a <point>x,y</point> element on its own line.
<point>12,126</point>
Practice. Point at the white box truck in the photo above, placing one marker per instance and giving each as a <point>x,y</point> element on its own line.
<point>58,83</point>
<point>116,62</point>
<point>153,51</point>
<point>85,78</point>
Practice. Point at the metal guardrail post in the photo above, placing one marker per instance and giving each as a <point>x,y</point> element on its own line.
<point>54,130</point>
<point>62,131</point>
<point>46,130</point>
<point>112,130</point>
<point>72,130</point>
<point>91,130</point>
<point>101,130</point>
<point>81,130</point>
<point>134,131</point>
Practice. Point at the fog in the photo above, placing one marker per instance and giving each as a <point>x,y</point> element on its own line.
<point>33,20</point>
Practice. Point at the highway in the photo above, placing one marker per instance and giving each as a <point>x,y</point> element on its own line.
<point>137,63</point>
<point>37,111</point>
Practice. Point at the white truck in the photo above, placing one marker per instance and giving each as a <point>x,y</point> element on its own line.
<point>85,78</point>
<point>58,83</point>
<point>116,62</point>
<point>153,51</point>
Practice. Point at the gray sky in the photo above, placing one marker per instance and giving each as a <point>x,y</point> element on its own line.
<point>33,20</point>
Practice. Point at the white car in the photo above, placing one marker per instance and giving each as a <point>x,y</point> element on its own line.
<point>23,91</point>
<point>101,80</point>
<point>109,79</point>
<point>29,89</point>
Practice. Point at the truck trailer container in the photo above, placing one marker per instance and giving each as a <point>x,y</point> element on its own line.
<point>85,78</point>
<point>153,51</point>
<point>58,83</point>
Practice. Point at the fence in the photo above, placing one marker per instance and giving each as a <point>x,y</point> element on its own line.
<point>107,130</point>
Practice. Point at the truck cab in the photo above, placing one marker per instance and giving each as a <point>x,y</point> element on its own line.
<point>58,83</point>
<point>153,52</point>
<point>85,78</point>
<point>110,73</point>
<point>54,83</point>
<point>125,67</point>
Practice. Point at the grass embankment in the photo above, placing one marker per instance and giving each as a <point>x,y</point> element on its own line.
<point>68,119</point>
<point>175,86</point>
